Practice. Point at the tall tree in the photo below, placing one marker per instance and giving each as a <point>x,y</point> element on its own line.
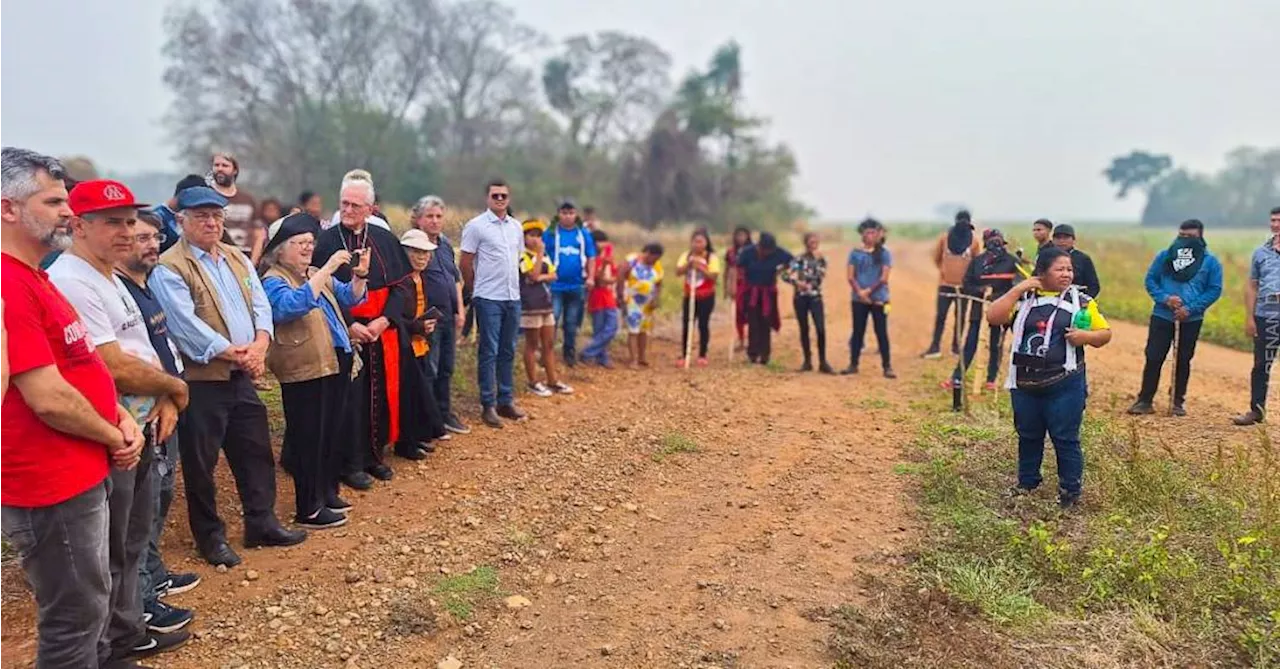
<point>606,87</point>
<point>1138,169</point>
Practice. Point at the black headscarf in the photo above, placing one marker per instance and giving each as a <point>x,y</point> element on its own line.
<point>960,237</point>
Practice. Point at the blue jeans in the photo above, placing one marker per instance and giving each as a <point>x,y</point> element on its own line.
<point>1057,410</point>
<point>441,360</point>
<point>568,307</point>
<point>64,552</point>
<point>498,322</point>
<point>604,325</point>
<point>152,570</point>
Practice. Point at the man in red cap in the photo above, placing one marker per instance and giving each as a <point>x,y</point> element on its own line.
<point>103,235</point>
<point>62,427</point>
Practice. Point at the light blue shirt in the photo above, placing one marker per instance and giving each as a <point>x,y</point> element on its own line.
<point>195,338</point>
<point>496,243</point>
<point>1264,267</point>
<point>290,304</point>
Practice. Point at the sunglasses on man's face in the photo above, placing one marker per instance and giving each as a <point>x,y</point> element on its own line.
<point>498,196</point>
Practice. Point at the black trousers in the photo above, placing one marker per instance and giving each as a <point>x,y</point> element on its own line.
<point>861,313</point>
<point>227,416</point>
<point>946,298</point>
<point>702,314</point>
<point>994,334</point>
<point>759,331</point>
<point>806,306</point>
<point>420,418</point>
<point>1159,339</point>
<point>314,414</point>
<point>1265,348</point>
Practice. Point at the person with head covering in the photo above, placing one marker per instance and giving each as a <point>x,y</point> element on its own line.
<point>1086,276</point>
<point>701,269</point>
<point>868,276</point>
<point>416,319</point>
<point>312,358</point>
<point>955,248</point>
<point>570,248</point>
<point>1183,281</point>
<point>990,275</point>
<point>760,265</point>
<point>221,320</point>
<point>375,402</point>
<point>1052,321</point>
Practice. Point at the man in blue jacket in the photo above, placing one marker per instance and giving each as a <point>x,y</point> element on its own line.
<point>570,248</point>
<point>1183,281</point>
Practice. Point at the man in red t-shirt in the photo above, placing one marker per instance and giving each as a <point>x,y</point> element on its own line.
<point>61,426</point>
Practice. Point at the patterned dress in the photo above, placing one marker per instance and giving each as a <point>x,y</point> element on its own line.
<point>640,290</point>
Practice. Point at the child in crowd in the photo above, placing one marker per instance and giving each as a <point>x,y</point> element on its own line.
<point>868,275</point>
<point>806,273</point>
<point>536,317</point>
<point>639,287</point>
<point>700,268</point>
<point>602,303</point>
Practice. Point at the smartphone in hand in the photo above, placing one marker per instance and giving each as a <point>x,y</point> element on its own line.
<point>433,314</point>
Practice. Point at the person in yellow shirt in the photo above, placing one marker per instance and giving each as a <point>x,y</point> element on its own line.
<point>700,268</point>
<point>1053,321</point>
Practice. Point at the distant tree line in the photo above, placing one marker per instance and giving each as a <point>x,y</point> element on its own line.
<point>1240,194</point>
<point>437,95</point>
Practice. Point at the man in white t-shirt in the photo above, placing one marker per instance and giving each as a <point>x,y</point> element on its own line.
<point>103,234</point>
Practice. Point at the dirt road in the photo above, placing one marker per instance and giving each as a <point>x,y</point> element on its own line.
<point>656,519</point>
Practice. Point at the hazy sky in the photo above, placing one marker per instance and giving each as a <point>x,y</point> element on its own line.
<point>1010,106</point>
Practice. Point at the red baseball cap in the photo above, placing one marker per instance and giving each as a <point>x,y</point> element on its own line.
<point>99,194</point>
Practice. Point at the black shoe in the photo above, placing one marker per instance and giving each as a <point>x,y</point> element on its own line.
<point>155,644</point>
<point>1178,410</point>
<point>1248,418</point>
<point>510,412</point>
<point>177,584</point>
<point>490,417</point>
<point>452,424</point>
<point>410,451</point>
<point>1067,500</point>
<point>429,447</point>
<point>889,373</point>
<point>849,371</point>
<point>1018,491</point>
<point>807,366</point>
<point>337,504</point>
<point>162,618</point>
<point>1141,408</point>
<point>380,472</point>
<point>826,368</point>
<point>358,480</point>
<point>322,520</point>
<point>220,553</point>
<point>274,536</point>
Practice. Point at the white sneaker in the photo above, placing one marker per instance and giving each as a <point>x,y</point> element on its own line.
<point>540,389</point>
<point>563,388</point>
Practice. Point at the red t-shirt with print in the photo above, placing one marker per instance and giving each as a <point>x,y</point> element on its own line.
<point>40,466</point>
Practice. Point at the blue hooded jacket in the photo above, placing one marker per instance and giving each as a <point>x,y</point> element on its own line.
<point>1197,295</point>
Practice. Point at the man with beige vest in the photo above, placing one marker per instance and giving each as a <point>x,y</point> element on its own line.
<point>221,321</point>
<point>956,247</point>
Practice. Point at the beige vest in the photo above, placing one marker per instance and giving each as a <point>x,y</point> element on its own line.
<point>182,261</point>
<point>303,348</point>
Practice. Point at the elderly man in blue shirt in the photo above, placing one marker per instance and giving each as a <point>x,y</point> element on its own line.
<point>1183,282</point>
<point>1262,323</point>
<point>221,321</point>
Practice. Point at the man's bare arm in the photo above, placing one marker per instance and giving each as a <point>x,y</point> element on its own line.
<point>467,263</point>
<point>136,377</point>
<point>60,406</point>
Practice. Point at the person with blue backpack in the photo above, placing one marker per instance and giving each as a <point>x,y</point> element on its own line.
<point>570,248</point>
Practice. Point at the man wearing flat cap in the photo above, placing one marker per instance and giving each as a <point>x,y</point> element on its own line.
<point>1086,276</point>
<point>221,320</point>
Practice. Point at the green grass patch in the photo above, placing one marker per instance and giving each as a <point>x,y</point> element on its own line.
<point>1184,554</point>
<point>459,595</point>
<point>672,444</point>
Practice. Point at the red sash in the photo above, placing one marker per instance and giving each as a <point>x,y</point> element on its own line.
<point>372,308</point>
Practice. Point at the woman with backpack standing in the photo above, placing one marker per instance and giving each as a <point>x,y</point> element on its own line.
<point>806,273</point>
<point>868,275</point>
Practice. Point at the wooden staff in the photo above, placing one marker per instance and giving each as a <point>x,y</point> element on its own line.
<point>688,345</point>
<point>1173,369</point>
<point>958,399</point>
<point>982,330</point>
<point>733,323</point>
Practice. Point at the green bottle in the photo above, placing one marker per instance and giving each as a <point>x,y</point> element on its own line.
<point>1082,320</point>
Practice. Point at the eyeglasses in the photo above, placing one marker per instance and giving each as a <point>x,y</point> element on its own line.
<point>347,204</point>
<point>304,243</point>
<point>146,237</point>
<point>499,196</point>
<point>206,216</point>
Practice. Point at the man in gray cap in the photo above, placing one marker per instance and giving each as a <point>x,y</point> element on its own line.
<point>221,320</point>
<point>1064,237</point>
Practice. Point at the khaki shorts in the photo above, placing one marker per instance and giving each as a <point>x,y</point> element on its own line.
<point>535,321</point>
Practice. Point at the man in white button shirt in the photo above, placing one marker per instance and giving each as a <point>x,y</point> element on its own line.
<point>491,246</point>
